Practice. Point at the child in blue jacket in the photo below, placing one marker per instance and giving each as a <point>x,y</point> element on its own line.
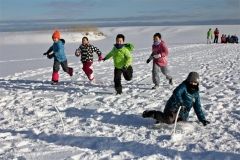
<point>59,57</point>
<point>185,95</point>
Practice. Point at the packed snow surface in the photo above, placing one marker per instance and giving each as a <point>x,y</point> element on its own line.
<point>100,125</point>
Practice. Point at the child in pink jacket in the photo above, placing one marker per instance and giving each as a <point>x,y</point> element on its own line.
<point>160,60</point>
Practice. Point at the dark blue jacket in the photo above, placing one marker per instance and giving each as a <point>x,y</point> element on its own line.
<point>58,49</point>
<point>182,97</point>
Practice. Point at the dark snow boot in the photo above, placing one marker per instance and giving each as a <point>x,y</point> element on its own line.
<point>148,114</point>
<point>70,71</point>
<point>155,87</point>
<point>118,90</point>
<point>54,83</point>
<point>171,81</point>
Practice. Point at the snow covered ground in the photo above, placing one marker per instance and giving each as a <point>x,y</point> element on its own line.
<point>99,124</point>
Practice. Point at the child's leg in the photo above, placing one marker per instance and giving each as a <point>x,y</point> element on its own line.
<point>67,69</point>
<point>55,76</point>
<point>127,73</point>
<point>88,69</point>
<point>155,74</point>
<point>165,72</point>
<point>158,116</point>
<point>117,80</point>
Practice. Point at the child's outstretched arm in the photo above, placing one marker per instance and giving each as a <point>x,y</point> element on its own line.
<point>150,58</point>
<point>49,51</point>
<point>99,53</point>
<point>96,50</point>
<point>109,55</point>
<point>78,52</point>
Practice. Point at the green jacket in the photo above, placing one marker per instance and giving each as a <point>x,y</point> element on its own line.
<point>121,57</point>
<point>209,34</point>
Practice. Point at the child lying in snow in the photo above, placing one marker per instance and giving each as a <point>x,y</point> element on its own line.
<point>185,95</point>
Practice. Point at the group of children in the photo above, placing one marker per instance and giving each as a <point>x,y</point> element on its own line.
<point>224,38</point>
<point>122,58</point>
<point>229,38</point>
<point>185,95</point>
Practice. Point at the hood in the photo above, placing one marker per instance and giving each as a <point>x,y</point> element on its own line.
<point>193,77</point>
<point>129,46</point>
<point>63,41</point>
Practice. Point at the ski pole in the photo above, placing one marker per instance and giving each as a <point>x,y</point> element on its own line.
<point>175,123</point>
<point>60,118</point>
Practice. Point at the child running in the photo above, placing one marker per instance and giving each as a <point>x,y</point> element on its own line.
<point>59,57</point>
<point>86,51</point>
<point>159,56</point>
<point>122,58</point>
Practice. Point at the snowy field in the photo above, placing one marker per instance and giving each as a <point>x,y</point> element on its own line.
<point>99,124</point>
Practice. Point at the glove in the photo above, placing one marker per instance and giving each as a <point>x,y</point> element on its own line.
<point>100,58</point>
<point>205,122</point>
<point>45,53</point>
<point>156,56</point>
<point>50,56</point>
<point>149,60</point>
<point>77,52</point>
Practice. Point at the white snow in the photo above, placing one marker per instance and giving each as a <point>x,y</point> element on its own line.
<point>101,125</point>
<point>45,37</point>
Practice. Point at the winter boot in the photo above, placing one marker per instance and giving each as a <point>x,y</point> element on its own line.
<point>155,87</point>
<point>70,71</point>
<point>54,83</point>
<point>119,90</point>
<point>148,113</point>
<point>55,76</point>
<point>171,81</point>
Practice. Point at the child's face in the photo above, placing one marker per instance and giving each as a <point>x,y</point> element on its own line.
<point>156,39</point>
<point>84,41</point>
<point>119,41</point>
<point>55,39</point>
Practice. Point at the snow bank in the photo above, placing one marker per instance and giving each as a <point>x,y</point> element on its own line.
<point>45,37</point>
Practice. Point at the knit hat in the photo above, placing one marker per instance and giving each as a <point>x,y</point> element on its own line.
<point>56,34</point>
<point>193,77</point>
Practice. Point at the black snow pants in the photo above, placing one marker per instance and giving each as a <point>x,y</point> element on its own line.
<point>127,74</point>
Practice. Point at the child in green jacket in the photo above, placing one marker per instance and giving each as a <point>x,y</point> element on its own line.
<point>122,58</point>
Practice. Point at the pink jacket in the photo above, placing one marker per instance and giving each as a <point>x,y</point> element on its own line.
<point>160,54</point>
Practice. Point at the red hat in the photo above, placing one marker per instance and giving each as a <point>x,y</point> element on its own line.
<point>56,34</point>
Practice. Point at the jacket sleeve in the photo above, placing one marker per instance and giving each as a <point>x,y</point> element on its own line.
<point>128,57</point>
<point>95,49</point>
<point>198,109</point>
<point>50,50</point>
<point>109,55</point>
<point>178,94</point>
<point>151,57</point>
<point>78,51</point>
<point>164,50</point>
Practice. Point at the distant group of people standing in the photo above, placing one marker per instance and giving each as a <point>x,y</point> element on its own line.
<point>224,38</point>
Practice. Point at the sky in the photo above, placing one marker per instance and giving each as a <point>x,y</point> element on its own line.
<point>174,10</point>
